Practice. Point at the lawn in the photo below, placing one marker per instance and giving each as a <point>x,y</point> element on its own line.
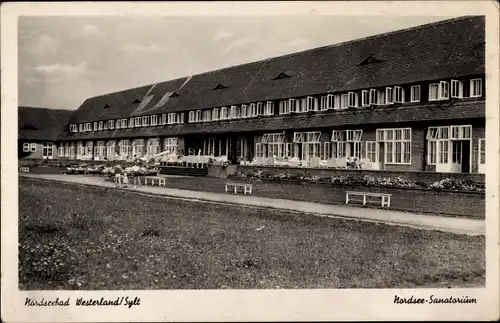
<point>87,238</point>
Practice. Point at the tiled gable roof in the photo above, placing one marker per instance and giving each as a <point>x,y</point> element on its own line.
<point>41,123</point>
<point>431,52</point>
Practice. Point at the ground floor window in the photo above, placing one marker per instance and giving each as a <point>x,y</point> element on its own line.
<point>100,150</point>
<point>208,147</point>
<point>47,151</point>
<point>111,149</point>
<point>137,147</point>
<point>449,148</point>
<point>153,147</point>
<point>60,151</point>
<point>307,145</point>
<point>482,151</point>
<point>347,143</point>
<point>371,151</point>
<point>26,147</point>
<point>124,146</point>
<point>171,145</point>
<point>397,145</point>
<point>88,148</point>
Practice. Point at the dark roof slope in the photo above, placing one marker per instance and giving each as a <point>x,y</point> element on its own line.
<point>41,123</point>
<point>434,51</point>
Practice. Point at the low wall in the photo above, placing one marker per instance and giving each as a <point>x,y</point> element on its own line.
<point>416,176</point>
<point>221,172</point>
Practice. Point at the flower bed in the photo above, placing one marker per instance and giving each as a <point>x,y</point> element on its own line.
<point>449,184</point>
<point>103,170</point>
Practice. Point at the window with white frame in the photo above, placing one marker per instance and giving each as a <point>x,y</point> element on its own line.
<point>389,95</point>
<point>302,105</point>
<point>373,96</point>
<point>124,123</point>
<point>244,111</point>
<point>346,143</point>
<point>260,108</point>
<point>284,107</point>
<point>273,144</point>
<point>80,149</point>
<point>191,116</point>
<point>259,153</point>
<point>73,128</point>
<point>371,151</point>
<point>100,125</point>
<point>224,113</point>
<point>482,151</point>
<point>328,102</point>
<point>344,101</point>
<point>95,126</point>
<point>235,112</point>
<point>353,100</point>
<point>145,121</point>
<point>26,147</point>
<point>207,115</point>
<point>138,121</point>
<point>307,144</point>
<point>154,120</point>
<point>137,148</point>
<point>80,127</point>
<point>89,147</point>
<point>269,110</point>
<point>292,104</point>
<point>399,94</point>
<point>105,127</point>
<point>208,147</point>
<point>111,124</point>
<point>457,89</point>
<point>397,145</point>
<point>48,150</point>
<point>111,148</point>
<point>88,126</point>
<point>252,110</point>
<point>100,149</point>
<point>171,144</point>
<point>439,91</point>
<point>365,98</point>
<point>215,114</point>
<point>164,119</point>
<point>415,93</point>
<point>327,150</point>
<point>125,149</point>
<point>199,115</point>
<point>181,117</point>
<point>118,124</point>
<point>476,88</point>
<point>33,147</point>
<point>312,104</point>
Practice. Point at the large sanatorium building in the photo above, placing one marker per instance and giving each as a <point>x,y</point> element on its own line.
<point>410,100</point>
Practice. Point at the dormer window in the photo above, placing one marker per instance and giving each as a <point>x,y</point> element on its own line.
<point>220,87</point>
<point>399,94</point>
<point>199,115</point>
<point>244,111</point>
<point>457,89</point>
<point>131,123</point>
<point>215,114</point>
<point>365,98</point>
<point>284,107</point>
<point>111,124</point>
<point>253,110</point>
<point>136,101</point>
<point>95,126</point>
<point>174,95</point>
<point>118,124</point>
<point>312,104</point>
<point>281,76</point>
<point>260,108</point>
<point>107,106</point>
<point>389,95</point>
<point>207,115</point>
<point>415,93</point>
<point>154,120</point>
<point>145,121</point>
<point>269,108</point>
<point>353,100</point>
<point>344,101</point>
<point>138,121</point>
<point>439,91</point>
<point>476,88</point>
<point>235,112</point>
<point>224,114</point>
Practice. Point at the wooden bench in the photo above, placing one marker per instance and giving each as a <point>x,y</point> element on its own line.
<point>24,169</point>
<point>161,180</point>
<point>383,198</point>
<point>247,188</point>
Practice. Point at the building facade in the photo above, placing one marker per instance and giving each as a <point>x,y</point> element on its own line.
<point>410,100</point>
<point>39,130</point>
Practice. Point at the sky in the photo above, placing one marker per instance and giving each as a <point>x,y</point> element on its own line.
<point>65,60</point>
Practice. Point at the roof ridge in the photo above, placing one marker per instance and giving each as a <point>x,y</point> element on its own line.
<point>42,108</point>
<point>399,31</point>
